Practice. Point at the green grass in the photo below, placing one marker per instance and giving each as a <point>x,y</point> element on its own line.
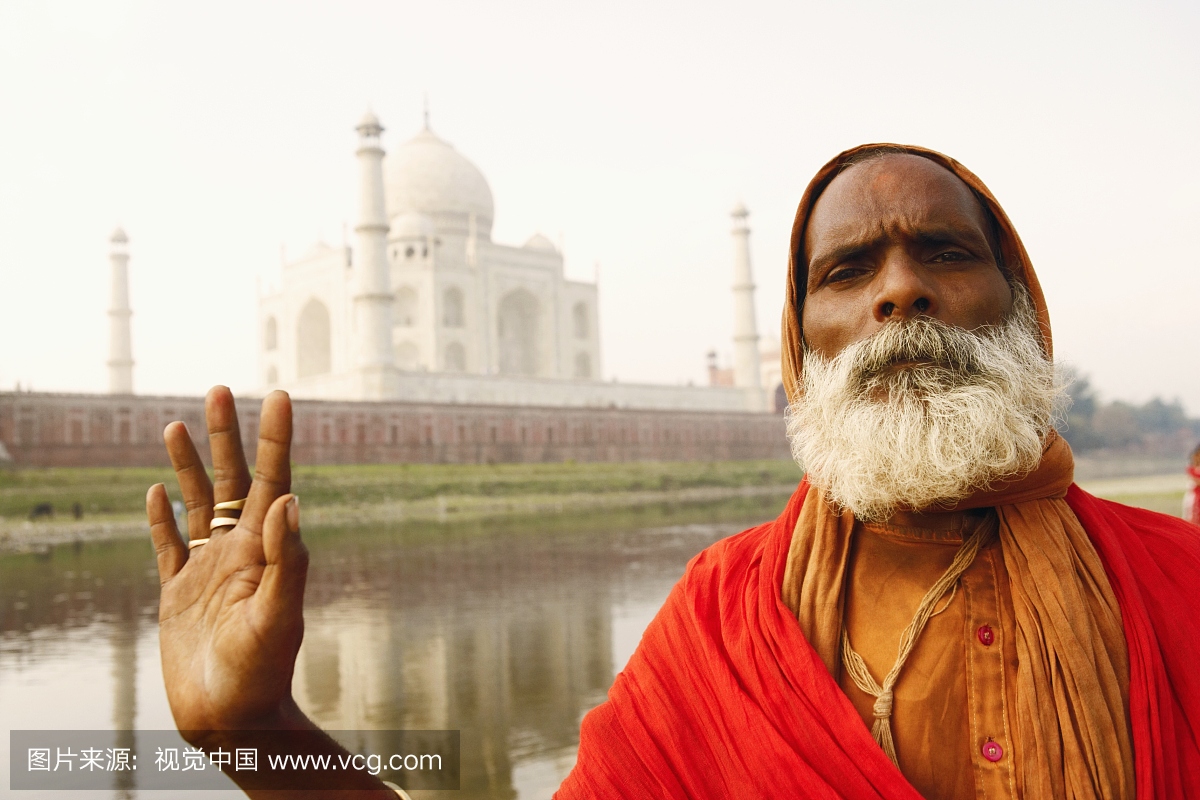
<point>745,511</point>
<point>1162,502</point>
<point>112,491</point>
<point>366,485</point>
<point>100,490</point>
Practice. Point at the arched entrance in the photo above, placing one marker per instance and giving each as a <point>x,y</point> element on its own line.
<point>517,332</point>
<point>456,358</point>
<point>580,317</point>
<point>406,307</point>
<point>452,308</point>
<point>583,366</point>
<point>313,351</point>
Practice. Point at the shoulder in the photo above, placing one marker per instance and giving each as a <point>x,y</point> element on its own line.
<point>726,581</point>
<point>1155,530</point>
<point>730,552</point>
<point>1153,565</point>
<point>740,554</point>
<point>1157,552</point>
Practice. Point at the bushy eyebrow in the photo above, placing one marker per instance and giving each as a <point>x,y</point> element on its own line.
<point>938,234</point>
<point>953,236</point>
<point>821,261</point>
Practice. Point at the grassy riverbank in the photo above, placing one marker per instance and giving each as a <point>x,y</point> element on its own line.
<point>117,492</point>
<point>112,500</point>
<point>1162,493</point>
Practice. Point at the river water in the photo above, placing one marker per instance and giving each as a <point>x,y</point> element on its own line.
<point>508,631</point>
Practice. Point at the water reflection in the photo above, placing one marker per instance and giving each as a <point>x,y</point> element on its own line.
<point>507,631</point>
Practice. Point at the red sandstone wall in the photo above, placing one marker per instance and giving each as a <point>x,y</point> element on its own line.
<point>42,430</point>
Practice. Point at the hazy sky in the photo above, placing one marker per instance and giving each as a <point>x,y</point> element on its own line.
<point>217,133</point>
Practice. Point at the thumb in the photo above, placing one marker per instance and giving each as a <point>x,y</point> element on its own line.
<point>286,556</point>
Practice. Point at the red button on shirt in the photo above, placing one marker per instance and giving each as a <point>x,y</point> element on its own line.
<point>992,751</point>
<point>986,635</point>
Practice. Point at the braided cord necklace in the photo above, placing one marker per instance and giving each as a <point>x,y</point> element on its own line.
<point>856,668</point>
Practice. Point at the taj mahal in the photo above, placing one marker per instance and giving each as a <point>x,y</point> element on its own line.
<point>423,340</point>
<point>444,297</point>
<point>423,306</point>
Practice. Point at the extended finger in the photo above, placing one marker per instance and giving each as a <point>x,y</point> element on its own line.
<point>231,476</point>
<point>272,465</point>
<point>284,576</point>
<point>169,549</point>
<point>193,479</point>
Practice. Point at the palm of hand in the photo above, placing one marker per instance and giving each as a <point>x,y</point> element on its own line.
<point>230,614</point>
<point>223,649</point>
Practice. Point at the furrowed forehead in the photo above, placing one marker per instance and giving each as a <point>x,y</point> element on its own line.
<point>892,188</point>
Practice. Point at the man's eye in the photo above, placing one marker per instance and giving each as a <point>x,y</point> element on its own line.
<point>949,256</point>
<point>845,274</point>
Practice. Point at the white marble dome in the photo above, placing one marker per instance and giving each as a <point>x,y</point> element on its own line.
<point>411,225</point>
<point>427,176</point>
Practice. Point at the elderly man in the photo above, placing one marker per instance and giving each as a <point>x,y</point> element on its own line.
<point>938,612</point>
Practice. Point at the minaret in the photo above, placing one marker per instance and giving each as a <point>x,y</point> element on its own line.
<point>372,277</point>
<point>746,372</point>
<point>120,343</point>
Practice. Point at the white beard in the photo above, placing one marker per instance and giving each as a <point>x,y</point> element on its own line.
<point>972,411</point>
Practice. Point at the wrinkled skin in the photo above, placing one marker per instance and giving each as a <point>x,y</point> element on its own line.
<point>892,239</point>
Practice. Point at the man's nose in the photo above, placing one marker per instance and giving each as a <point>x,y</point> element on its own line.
<point>904,291</point>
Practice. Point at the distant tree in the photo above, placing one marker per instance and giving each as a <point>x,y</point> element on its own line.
<point>1075,424</point>
<point>1159,417</point>
<point>1090,424</point>
<point>1116,424</point>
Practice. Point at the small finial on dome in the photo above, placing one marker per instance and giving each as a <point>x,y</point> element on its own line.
<point>369,124</point>
<point>118,236</point>
<point>426,110</point>
<point>540,242</point>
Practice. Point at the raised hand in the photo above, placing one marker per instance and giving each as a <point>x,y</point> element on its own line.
<point>231,612</point>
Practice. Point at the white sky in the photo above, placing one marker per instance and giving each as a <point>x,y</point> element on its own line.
<point>216,133</point>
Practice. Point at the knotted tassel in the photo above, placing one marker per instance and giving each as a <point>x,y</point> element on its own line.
<point>881,731</point>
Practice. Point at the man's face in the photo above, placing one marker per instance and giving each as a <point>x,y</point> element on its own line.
<point>892,239</point>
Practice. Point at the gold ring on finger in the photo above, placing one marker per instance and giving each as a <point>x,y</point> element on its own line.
<point>231,512</point>
<point>194,543</point>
